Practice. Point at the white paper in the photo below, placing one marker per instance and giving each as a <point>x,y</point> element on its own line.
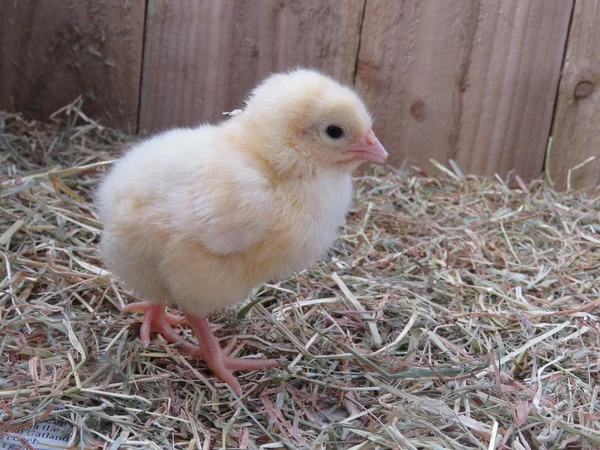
<point>50,434</point>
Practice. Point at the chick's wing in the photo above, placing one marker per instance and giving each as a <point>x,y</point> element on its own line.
<point>223,206</point>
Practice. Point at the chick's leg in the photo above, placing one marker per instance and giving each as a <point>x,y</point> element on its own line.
<point>142,307</point>
<point>218,359</point>
<point>157,320</point>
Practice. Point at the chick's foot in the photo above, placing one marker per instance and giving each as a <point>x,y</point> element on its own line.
<point>143,307</point>
<point>158,320</point>
<point>218,359</point>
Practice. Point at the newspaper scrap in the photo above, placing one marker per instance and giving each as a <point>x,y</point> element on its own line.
<point>50,434</point>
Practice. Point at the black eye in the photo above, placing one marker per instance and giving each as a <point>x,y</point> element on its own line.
<point>334,132</point>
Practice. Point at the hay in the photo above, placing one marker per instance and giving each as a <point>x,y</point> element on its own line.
<point>454,313</point>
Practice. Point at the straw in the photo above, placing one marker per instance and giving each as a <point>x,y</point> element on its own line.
<point>452,313</point>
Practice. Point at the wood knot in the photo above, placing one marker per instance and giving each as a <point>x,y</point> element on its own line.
<point>417,110</point>
<point>583,89</point>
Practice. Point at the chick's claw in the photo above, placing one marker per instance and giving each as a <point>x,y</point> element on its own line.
<point>217,359</point>
<point>143,307</point>
<point>157,320</point>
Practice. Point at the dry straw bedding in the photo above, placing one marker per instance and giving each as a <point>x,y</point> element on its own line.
<point>454,313</point>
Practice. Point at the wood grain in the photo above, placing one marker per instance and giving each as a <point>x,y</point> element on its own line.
<point>53,51</point>
<point>576,131</point>
<point>203,56</point>
<point>469,80</point>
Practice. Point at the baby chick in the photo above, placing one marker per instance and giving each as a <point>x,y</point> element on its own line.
<point>198,217</point>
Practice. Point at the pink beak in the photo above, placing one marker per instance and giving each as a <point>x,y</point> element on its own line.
<point>368,149</point>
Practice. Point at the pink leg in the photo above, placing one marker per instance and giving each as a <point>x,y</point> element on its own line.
<point>218,360</point>
<point>142,307</point>
<point>156,319</point>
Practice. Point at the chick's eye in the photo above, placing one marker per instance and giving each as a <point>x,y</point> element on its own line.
<point>334,132</point>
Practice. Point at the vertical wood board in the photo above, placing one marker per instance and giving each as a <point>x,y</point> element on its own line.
<point>473,81</point>
<point>53,51</point>
<point>203,56</point>
<point>576,131</point>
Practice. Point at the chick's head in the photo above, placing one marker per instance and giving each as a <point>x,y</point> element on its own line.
<point>307,121</point>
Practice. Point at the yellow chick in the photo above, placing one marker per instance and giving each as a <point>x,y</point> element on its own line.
<point>198,217</point>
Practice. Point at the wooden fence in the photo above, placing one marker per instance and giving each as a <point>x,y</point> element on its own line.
<point>483,82</point>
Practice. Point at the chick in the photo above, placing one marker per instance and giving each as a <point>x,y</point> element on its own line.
<point>198,217</point>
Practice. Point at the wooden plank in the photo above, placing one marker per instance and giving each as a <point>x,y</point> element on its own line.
<point>576,131</point>
<point>203,56</point>
<point>473,81</point>
<point>53,51</point>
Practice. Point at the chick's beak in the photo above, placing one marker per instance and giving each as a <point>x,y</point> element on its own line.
<point>368,148</point>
